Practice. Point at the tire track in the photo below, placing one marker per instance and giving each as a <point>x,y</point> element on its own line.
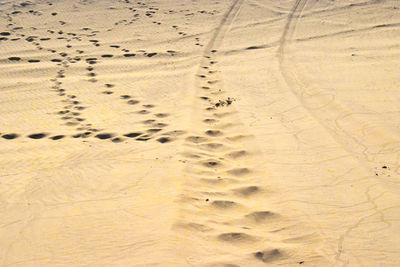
<point>349,143</point>
<point>354,147</point>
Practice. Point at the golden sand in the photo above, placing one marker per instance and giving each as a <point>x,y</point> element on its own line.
<point>199,133</point>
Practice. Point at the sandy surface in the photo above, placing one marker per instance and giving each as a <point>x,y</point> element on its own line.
<point>199,133</point>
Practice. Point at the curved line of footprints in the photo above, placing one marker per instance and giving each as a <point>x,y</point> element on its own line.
<point>138,136</point>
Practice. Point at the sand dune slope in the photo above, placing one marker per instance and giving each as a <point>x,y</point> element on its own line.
<point>199,133</point>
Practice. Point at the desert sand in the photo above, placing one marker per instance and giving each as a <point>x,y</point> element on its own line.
<point>199,133</point>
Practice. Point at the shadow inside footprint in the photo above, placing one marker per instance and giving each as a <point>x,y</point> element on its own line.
<point>57,137</point>
<point>132,135</point>
<point>143,138</point>
<point>14,58</point>
<point>10,136</point>
<point>104,136</point>
<point>37,136</point>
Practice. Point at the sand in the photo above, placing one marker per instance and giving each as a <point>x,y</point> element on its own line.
<point>199,133</point>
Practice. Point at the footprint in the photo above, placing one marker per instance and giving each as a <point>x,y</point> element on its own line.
<point>14,58</point>
<point>132,135</point>
<point>82,135</point>
<point>224,204</point>
<point>10,136</point>
<point>37,136</point>
<point>212,146</point>
<point>261,216</point>
<point>155,130</point>
<point>148,121</point>
<point>211,163</point>
<point>148,106</point>
<point>235,237</point>
<point>132,102</point>
<point>237,154</point>
<point>246,191</point>
<point>160,125</point>
<point>196,139</point>
<point>143,138</point>
<point>161,115</point>
<point>33,60</point>
<point>104,136</point>
<point>143,112</point>
<point>210,121</point>
<point>213,132</point>
<point>57,137</point>
<point>129,55</point>
<point>107,55</point>
<point>164,140</point>
<point>117,140</point>
<point>269,255</point>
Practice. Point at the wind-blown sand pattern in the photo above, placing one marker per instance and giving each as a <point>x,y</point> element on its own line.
<point>199,133</point>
